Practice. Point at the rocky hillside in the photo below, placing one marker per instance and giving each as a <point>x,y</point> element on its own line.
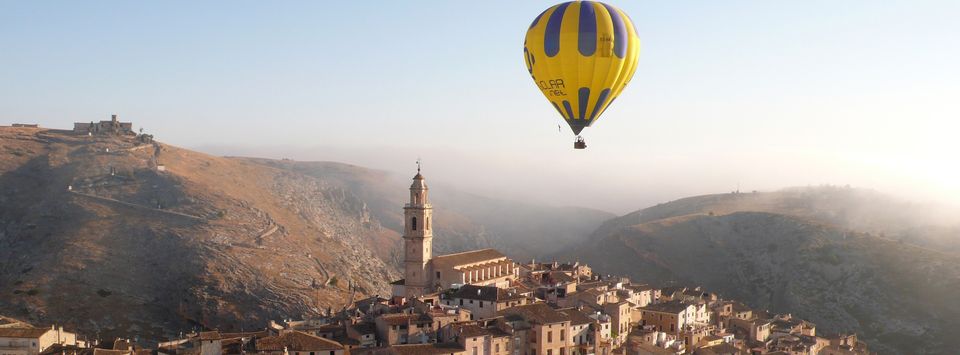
<point>117,236</point>
<point>465,221</point>
<point>792,255</point>
<point>928,225</point>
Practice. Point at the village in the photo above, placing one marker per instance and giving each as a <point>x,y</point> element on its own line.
<point>482,302</point>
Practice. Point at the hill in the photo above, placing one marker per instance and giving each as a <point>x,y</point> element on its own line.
<point>466,221</point>
<point>794,251</point>
<point>114,235</point>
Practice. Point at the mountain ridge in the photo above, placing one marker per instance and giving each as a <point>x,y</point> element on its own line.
<point>895,293</point>
<point>122,235</point>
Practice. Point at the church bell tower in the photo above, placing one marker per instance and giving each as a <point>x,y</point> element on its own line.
<point>417,239</point>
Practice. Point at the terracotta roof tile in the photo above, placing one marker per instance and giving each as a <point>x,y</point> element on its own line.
<point>536,313</point>
<point>469,257</point>
<point>486,293</point>
<point>23,332</point>
<point>296,341</point>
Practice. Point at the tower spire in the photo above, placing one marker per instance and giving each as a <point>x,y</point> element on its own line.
<point>418,238</point>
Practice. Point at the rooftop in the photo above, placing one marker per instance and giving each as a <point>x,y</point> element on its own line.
<point>468,257</point>
<point>296,341</point>
<point>536,313</point>
<point>486,293</point>
<point>667,307</point>
<point>576,317</point>
<point>23,332</point>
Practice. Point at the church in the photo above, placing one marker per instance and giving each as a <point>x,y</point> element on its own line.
<point>425,274</point>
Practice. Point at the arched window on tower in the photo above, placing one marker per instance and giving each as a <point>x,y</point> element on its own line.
<point>413,223</point>
<point>426,224</point>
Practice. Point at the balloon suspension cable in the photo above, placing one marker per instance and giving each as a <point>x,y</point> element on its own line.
<point>579,143</point>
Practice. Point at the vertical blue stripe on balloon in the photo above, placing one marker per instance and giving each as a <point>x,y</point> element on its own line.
<point>619,32</point>
<point>558,109</point>
<point>566,105</point>
<point>551,39</point>
<point>538,18</point>
<point>600,101</point>
<point>528,57</point>
<point>584,96</point>
<point>587,34</point>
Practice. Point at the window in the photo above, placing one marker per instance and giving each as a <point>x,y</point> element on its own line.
<point>438,273</point>
<point>426,223</point>
<point>496,347</point>
<point>413,223</point>
<point>481,304</point>
<point>461,301</point>
<point>549,351</point>
<point>550,337</point>
<point>562,335</point>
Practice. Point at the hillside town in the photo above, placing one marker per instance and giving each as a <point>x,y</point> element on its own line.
<point>482,302</point>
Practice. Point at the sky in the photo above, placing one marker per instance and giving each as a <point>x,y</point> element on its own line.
<point>755,94</point>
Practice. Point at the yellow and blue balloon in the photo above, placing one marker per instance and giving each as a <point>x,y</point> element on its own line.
<point>581,54</point>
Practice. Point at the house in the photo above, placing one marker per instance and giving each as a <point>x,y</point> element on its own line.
<point>581,327</point>
<point>545,330</point>
<point>32,341</point>
<point>484,301</point>
<point>406,328</point>
<point>668,316</point>
<point>489,336</point>
<point>363,333</point>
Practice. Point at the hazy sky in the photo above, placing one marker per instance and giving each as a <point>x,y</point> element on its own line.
<point>763,94</point>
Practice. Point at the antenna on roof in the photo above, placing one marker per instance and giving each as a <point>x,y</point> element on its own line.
<point>418,165</point>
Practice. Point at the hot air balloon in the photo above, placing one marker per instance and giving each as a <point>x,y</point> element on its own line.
<point>581,54</point>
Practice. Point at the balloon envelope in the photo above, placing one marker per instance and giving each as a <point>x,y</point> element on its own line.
<point>581,54</point>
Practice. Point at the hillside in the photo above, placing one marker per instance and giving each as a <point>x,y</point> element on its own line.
<point>787,255</point>
<point>862,210</point>
<point>115,236</point>
<point>465,221</point>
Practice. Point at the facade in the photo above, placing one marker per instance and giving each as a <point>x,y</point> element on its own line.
<point>545,329</point>
<point>32,341</point>
<point>425,274</point>
<point>481,337</point>
<point>484,301</point>
<point>667,317</point>
<point>403,328</point>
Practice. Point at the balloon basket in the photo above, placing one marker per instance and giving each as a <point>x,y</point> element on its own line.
<point>579,143</point>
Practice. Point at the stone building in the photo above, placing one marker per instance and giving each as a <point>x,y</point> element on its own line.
<point>426,274</point>
<point>31,341</point>
<point>543,329</point>
<point>484,301</point>
<point>111,127</point>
